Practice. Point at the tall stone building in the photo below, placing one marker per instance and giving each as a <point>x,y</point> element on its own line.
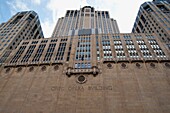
<point>154,17</point>
<point>23,25</point>
<point>85,20</point>
<point>87,71</point>
<point>161,0</point>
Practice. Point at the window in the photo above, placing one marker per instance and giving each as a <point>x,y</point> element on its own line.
<point>127,36</point>
<point>28,53</point>
<point>119,49</point>
<point>82,65</point>
<point>83,52</point>
<point>49,52</point>
<point>131,49</point>
<point>138,36</point>
<point>168,45</point>
<point>38,53</point>
<point>117,42</point>
<point>156,48</point>
<point>144,49</point>
<point>5,56</point>
<point>106,47</point>
<point>83,49</point>
<point>18,54</point>
<point>149,36</point>
<point>60,52</point>
<point>34,42</point>
<point>44,41</point>
<point>69,51</point>
<point>25,43</point>
<point>97,48</point>
<point>63,40</point>
<point>54,40</point>
<point>116,37</point>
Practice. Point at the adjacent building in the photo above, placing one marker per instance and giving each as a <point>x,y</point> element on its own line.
<point>154,17</point>
<point>22,26</point>
<point>161,0</point>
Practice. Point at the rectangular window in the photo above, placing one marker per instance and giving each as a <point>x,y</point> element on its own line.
<point>60,52</point>
<point>97,48</point>
<point>5,56</point>
<point>83,49</point>
<point>116,37</point>
<point>18,54</point>
<point>131,49</point>
<point>28,53</point>
<point>149,36</point>
<point>138,36</point>
<point>106,49</point>
<point>25,43</point>
<point>156,48</point>
<point>144,49</point>
<point>63,40</point>
<point>49,52</point>
<point>83,65</point>
<point>44,41</point>
<point>34,42</point>
<point>83,52</point>
<point>54,40</point>
<point>38,53</point>
<point>119,49</point>
<point>127,36</point>
<point>69,51</point>
<point>168,45</point>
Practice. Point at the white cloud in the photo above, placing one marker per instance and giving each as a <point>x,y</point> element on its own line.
<point>58,9</point>
<point>47,27</point>
<point>17,5</point>
<point>37,2</point>
<point>124,11</point>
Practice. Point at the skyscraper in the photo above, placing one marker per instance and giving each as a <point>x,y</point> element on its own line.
<point>161,0</point>
<point>23,25</point>
<point>85,20</point>
<point>87,70</point>
<point>153,17</point>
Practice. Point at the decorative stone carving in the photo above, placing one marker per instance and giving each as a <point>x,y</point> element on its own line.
<point>56,67</point>
<point>81,79</point>
<point>124,65</point>
<point>138,65</point>
<point>109,66</point>
<point>94,70</point>
<point>31,68</point>
<point>43,68</point>
<point>152,65</point>
<point>7,70</point>
<point>19,69</point>
<point>167,64</point>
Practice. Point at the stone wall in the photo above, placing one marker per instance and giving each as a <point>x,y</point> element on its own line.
<point>117,88</point>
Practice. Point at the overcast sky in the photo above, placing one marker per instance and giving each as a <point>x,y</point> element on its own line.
<point>124,11</point>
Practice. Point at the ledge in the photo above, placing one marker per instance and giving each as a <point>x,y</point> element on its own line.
<point>71,71</point>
